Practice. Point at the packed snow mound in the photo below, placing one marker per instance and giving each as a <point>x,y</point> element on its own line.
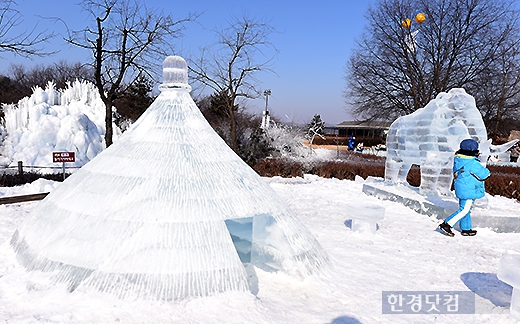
<point>51,120</point>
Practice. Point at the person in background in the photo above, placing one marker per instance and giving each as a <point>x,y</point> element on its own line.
<point>469,177</point>
<point>351,143</point>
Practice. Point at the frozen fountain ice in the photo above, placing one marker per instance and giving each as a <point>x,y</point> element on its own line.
<point>70,119</point>
<point>429,137</point>
<point>166,212</point>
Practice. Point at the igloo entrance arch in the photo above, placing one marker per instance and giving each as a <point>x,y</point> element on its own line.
<point>257,240</point>
<point>149,216</point>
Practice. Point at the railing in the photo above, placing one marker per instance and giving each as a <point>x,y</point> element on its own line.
<point>31,197</point>
<point>23,198</point>
<point>20,168</point>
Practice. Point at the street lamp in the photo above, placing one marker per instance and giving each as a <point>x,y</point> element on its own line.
<point>266,118</point>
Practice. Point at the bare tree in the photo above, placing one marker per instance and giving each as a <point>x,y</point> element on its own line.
<point>127,40</point>
<point>19,80</point>
<point>229,67</point>
<point>498,91</point>
<point>400,65</point>
<point>60,73</point>
<point>23,43</point>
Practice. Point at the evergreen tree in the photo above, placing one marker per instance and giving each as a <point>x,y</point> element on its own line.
<point>315,128</point>
<point>316,125</point>
<point>136,99</point>
<point>219,103</point>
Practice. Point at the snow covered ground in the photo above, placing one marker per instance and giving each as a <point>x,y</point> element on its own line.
<point>405,254</point>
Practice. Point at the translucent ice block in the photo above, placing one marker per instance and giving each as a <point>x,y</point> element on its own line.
<point>365,218</point>
<point>509,272</point>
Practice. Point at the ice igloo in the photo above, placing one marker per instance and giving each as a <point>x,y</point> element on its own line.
<point>168,211</point>
<point>429,137</point>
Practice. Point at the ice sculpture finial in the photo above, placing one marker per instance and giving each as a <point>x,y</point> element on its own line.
<point>175,74</point>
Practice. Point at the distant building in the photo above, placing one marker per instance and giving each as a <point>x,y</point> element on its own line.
<point>360,129</point>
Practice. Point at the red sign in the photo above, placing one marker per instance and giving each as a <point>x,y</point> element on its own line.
<point>63,157</point>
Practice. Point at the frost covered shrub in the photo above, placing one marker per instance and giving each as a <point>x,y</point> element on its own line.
<point>255,146</point>
<point>286,141</point>
<point>315,129</point>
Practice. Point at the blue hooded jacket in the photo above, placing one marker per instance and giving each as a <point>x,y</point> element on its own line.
<point>351,143</point>
<point>469,177</point>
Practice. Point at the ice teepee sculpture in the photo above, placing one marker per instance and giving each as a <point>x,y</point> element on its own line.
<point>167,212</point>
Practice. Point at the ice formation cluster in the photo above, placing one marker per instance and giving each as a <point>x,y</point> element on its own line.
<point>168,211</point>
<point>71,120</point>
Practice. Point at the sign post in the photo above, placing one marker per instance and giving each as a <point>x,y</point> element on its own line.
<point>63,157</point>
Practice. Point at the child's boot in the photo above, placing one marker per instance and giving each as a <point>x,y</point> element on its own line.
<point>446,229</point>
<point>469,232</point>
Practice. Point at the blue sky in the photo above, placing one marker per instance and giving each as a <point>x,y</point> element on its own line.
<point>314,40</point>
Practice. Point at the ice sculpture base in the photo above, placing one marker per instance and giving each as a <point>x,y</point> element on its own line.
<point>365,218</point>
<point>509,272</point>
<point>441,207</point>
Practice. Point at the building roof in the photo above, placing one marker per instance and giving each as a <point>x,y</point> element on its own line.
<point>364,124</point>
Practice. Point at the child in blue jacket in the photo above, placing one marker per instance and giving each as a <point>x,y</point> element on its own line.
<point>469,177</point>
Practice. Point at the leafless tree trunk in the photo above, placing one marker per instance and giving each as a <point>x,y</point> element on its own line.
<point>127,39</point>
<point>23,43</point>
<point>396,70</point>
<point>233,63</point>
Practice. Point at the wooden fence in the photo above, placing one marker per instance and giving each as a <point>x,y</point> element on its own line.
<point>23,198</point>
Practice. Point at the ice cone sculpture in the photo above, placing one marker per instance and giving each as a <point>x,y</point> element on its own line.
<point>167,212</point>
